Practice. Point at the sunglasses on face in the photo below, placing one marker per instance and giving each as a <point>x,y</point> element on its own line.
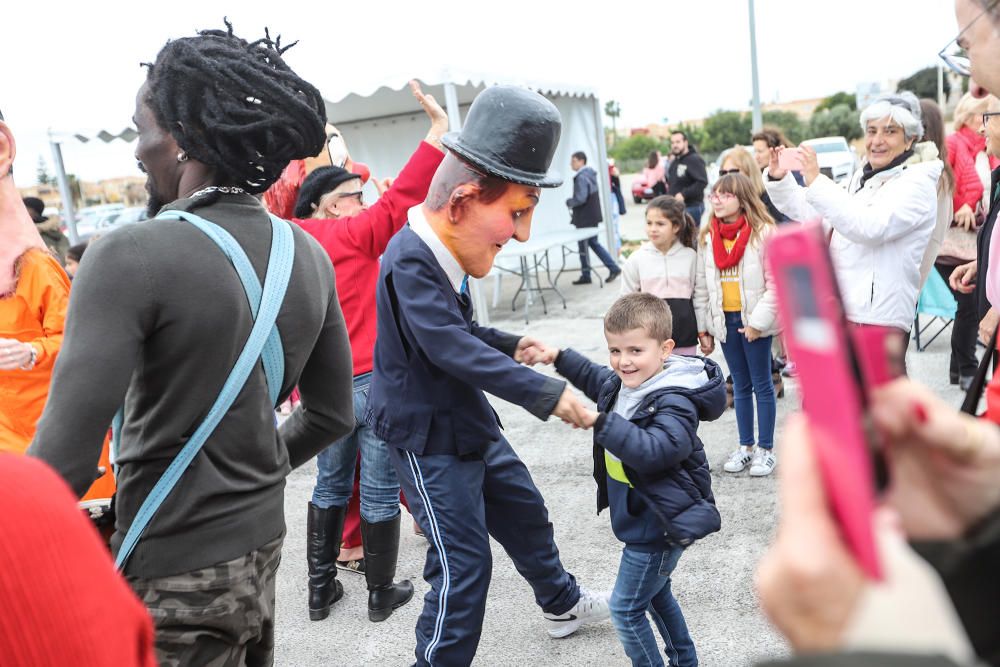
<point>726,172</point>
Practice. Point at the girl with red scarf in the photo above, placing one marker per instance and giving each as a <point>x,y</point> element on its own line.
<point>735,302</point>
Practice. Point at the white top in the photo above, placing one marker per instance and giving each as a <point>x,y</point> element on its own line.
<point>418,223</point>
<point>880,233</point>
<point>668,275</point>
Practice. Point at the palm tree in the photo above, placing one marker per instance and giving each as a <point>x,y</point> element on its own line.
<point>613,110</point>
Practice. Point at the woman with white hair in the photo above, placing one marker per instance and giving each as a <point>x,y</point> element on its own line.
<point>883,221</point>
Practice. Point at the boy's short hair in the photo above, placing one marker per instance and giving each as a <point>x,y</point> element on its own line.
<point>640,310</point>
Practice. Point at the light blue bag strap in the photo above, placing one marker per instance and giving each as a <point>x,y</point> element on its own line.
<point>273,356</point>
<point>279,269</point>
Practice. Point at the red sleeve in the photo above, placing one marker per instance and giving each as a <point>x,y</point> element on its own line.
<point>968,187</point>
<point>370,231</point>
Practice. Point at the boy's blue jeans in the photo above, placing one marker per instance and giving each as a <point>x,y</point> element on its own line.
<point>335,467</point>
<point>750,366</point>
<point>643,585</point>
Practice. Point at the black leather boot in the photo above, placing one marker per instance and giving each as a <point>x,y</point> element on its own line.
<point>381,544</point>
<point>324,529</point>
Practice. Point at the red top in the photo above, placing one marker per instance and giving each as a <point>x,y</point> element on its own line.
<point>355,245</point>
<point>963,147</point>
<point>63,602</point>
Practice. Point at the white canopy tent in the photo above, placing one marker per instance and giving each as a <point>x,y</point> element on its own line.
<point>383,125</point>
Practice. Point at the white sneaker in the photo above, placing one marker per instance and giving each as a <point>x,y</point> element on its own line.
<point>739,460</point>
<point>763,463</point>
<point>591,608</point>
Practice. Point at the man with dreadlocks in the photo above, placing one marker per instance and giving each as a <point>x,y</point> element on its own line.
<point>157,321</point>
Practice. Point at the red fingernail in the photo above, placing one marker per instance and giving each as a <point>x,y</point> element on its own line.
<point>920,412</point>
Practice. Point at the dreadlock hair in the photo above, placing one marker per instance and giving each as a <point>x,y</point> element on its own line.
<point>236,106</point>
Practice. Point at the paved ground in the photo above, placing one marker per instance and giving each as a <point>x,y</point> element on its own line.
<point>713,581</point>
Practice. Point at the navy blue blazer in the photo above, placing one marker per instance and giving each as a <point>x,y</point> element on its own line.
<point>433,363</point>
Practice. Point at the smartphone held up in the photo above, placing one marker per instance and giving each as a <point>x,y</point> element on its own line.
<point>837,362</point>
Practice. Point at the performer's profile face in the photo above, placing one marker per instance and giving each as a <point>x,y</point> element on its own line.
<point>481,230</point>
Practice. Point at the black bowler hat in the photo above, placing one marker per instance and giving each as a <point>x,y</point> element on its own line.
<point>510,133</point>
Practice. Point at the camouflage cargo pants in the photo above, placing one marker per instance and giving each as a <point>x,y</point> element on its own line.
<point>219,616</point>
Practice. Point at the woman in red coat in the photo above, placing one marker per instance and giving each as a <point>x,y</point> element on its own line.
<point>331,208</point>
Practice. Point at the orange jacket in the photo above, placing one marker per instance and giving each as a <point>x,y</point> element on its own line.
<point>34,314</point>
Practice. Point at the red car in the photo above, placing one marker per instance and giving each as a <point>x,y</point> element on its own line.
<point>640,190</point>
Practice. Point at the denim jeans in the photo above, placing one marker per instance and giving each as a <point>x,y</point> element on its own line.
<point>593,244</point>
<point>335,464</point>
<point>750,366</point>
<point>696,211</point>
<point>643,585</point>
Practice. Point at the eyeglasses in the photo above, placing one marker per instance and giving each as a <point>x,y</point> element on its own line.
<point>349,195</point>
<point>988,115</point>
<point>954,54</point>
<point>726,172</point>
<point>721,196</point>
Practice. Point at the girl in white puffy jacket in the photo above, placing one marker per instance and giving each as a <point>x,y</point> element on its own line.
<point>666,267</point>
<point>735,303</point>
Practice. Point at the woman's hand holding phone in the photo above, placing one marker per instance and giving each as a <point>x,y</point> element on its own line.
<point>944,464</point>
<point>813,590</point>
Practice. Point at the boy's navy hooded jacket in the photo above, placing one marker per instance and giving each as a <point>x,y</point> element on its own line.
<point>670,500</point>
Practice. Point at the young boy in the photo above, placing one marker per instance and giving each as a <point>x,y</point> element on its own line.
<point>649,464</point>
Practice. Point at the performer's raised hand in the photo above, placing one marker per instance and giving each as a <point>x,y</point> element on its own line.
<point>439,119</point>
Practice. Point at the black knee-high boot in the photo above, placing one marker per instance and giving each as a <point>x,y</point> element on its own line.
<point>381,545</point>
<point>324,528</point>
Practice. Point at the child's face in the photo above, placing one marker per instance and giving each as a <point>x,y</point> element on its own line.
<point>659,229</point>
<point>71,266</point>
<point>636,356</point>
<point>724,204</point>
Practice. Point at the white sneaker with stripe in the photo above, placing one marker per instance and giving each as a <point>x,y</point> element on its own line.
<point>591,608</point>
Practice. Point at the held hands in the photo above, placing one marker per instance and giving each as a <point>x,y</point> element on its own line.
<point>572,411</point>
<point>530,352</point>
<point>965,218</point>
<point>439,119</point>
<point>963,278</point>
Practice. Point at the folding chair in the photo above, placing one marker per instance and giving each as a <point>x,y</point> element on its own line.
<point>937,303</point>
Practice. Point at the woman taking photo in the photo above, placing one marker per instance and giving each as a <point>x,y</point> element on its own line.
<point>881,224</point>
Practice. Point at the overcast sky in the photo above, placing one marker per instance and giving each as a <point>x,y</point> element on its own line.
<point>74,66</point>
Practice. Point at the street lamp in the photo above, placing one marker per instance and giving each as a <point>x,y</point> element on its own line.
<point>758,121</point>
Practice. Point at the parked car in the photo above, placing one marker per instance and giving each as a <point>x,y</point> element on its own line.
<point>640,190</point>
<point>836,158</point>
<point>91,218</point>
<point>128,216</point>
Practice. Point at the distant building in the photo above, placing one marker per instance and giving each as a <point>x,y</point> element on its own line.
<point>128,190</point>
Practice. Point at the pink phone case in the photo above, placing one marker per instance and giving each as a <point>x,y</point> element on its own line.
<point>815,337</point>
<point>790,159</point>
